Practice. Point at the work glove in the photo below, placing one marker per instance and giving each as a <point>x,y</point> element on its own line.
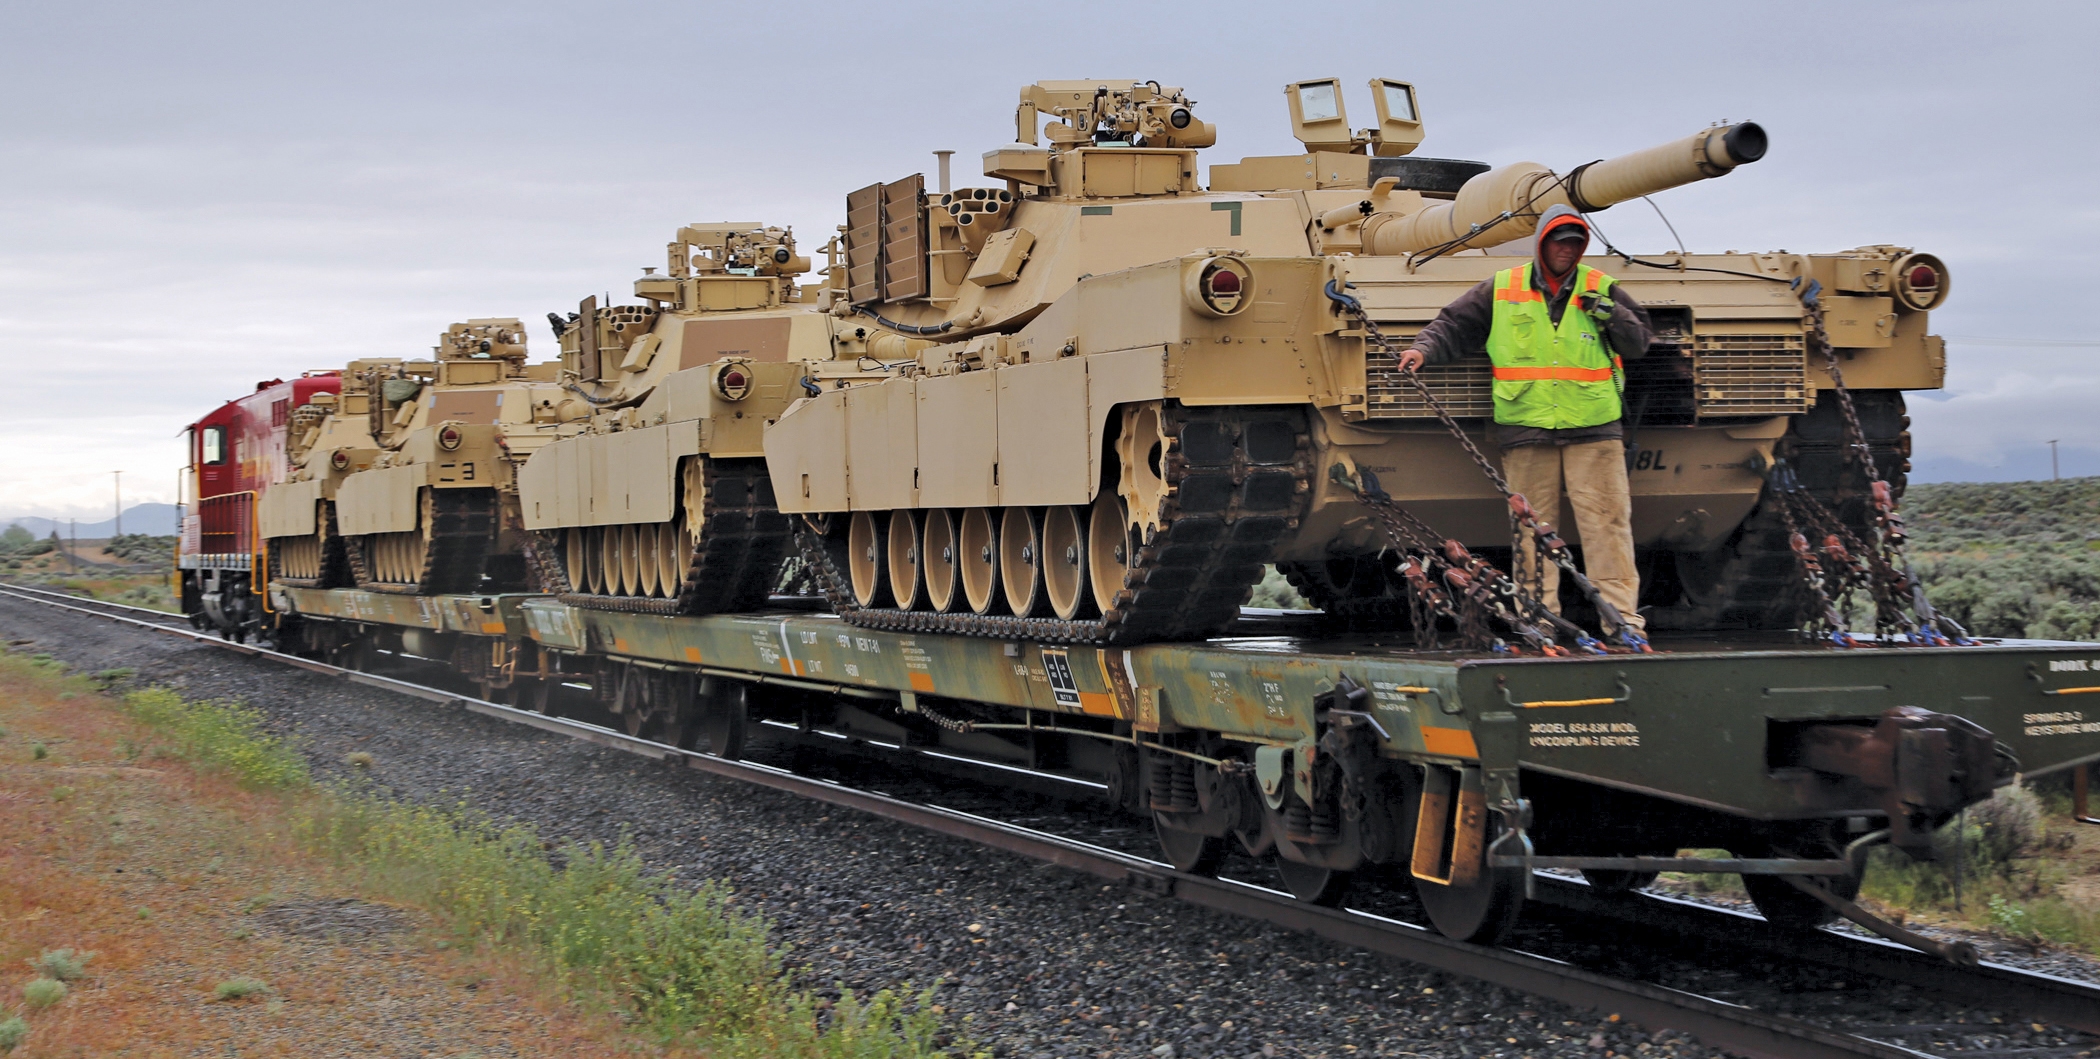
<point>1599,307</point>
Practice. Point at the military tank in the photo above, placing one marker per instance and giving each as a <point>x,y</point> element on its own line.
<point>406,483</point>
<point>656,498</point>
<point>1113,431</point>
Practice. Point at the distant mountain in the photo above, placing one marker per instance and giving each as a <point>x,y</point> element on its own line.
<point>156,519</point>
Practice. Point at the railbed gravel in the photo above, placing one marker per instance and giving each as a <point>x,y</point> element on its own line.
<point>1034,961</point>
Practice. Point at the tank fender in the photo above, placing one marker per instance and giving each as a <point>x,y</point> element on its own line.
<point>287,510</point>
<point>382,500</point>
<point>606,479</point>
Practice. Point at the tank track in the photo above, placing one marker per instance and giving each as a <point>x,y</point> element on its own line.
<point>1372,600</point>
<point>1238,479</point>
<point>335,561</point>
<point>463,528</point>
<point>735,564</point>
<point>1752,581</point>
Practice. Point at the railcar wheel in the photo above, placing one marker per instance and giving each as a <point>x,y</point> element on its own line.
<point>864,558</point>
<point>980,561</point>
<point>1787,908</point>
<point>1064,561</point>
<point>1021,562</point>
<point>1615,881</point>
<point>1188,851</point>
<point>1317,886</point>
<point>723,715</point>
<point>938,555</point>
<point>907,584</point>
<point>540,695</point>
<point>1481,913</point>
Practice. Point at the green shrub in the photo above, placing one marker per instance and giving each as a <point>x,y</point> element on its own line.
<point>41,993</point>
<point>687,963</point>
<point>1275,591</point>
<point>38,751</point>
<point>222,735</point>
<point>66,965</point>
<point>110,678</point>
<point>239,988</point>
<point>13,1031</point>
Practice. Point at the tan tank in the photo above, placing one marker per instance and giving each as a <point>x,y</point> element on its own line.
<point>408,484</point>
<point>655,496</point>
<point>1140,385</point>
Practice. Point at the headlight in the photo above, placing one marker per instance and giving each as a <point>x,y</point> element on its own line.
<point>1219,286</point>
<point>733,382</point>
<point>1921,281</point>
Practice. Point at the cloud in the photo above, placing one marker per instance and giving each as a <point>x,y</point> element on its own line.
<point>199,196</point>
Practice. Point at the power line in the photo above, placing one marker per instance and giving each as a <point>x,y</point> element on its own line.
<point>2034,343</point>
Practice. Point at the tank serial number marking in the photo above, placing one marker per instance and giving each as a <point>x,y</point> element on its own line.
<point>2065,722</point>
<point>2070,665</point>
<point>1616,733</point>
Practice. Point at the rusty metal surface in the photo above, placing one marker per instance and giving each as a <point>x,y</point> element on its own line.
<point>1717,1023</point>
<point>1692,723</point>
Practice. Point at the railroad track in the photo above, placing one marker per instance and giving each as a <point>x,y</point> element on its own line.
<point>1717,1023</point>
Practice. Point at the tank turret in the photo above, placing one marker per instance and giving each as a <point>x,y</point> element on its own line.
<point>407,484</point>
<point>653,495</point>
<point>1152,383</point>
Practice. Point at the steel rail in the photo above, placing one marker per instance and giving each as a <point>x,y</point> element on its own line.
<point>2034,994</point>
<point>1718,1023</point>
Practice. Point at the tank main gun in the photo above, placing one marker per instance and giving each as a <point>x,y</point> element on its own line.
<point>1504,203</point>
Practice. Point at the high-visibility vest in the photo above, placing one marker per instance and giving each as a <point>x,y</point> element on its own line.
<point>1547,376</point>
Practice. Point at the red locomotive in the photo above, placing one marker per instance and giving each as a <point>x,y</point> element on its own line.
<point>236,453</point>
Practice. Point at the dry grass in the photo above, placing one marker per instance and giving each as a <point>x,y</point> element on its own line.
<point>151,863</point>
<point>158,828</point>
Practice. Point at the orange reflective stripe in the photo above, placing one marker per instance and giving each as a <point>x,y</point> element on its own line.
<point>1596,278</point>
<point>1503,374</point>
<point>1518,287</point>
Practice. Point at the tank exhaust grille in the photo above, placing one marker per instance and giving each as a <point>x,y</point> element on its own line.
<point>1742,375</point>
<point>1467,388</point>
<point>1731,375</point>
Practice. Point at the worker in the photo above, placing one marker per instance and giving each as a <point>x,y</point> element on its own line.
<point>1555,330</point>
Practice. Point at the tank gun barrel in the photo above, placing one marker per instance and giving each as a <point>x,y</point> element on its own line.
<point>1504,203</point>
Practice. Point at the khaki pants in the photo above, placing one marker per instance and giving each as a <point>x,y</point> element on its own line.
<point>1595,477</point>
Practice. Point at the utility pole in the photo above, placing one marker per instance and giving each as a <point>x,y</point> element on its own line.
<point>119,531</point>
<point>2053,476</point>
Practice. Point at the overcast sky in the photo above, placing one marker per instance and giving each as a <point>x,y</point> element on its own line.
<point>197,196</point>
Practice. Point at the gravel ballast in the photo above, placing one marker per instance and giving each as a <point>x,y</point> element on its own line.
<point>1034,960</point>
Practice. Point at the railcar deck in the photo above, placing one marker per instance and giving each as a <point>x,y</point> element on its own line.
<point>1702,721</point>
